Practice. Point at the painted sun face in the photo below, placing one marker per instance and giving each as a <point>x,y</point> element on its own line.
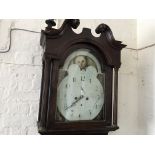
<point>81,62</point>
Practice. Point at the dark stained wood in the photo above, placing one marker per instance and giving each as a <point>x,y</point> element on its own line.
<point>115,96</point>
<point>108,94</point>
<point>41,91</point>
<point>58,45</point>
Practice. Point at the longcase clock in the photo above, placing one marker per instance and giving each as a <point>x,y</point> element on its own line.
<point>79,80</point>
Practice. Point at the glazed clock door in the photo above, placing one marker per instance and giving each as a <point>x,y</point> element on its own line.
<point>80,91</point>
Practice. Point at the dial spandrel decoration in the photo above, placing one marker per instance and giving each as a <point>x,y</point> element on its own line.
<point>80,93</point>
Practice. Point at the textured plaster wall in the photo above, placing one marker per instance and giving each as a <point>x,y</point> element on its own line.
<point>20,74</point>
<point>146,76</point>
<point>20,77</point>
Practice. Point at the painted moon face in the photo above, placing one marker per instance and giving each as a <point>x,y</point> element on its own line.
<point>81,61</point>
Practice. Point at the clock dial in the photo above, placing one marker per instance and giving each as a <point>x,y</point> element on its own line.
<point>80,94</point>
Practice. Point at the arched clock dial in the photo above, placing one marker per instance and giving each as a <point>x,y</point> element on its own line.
<point>80,94</point>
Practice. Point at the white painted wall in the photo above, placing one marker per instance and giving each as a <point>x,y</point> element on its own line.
<point>145,32</point>
<point>20,75</point>
<point>146,76</point>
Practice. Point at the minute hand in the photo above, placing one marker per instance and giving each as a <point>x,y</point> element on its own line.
<point>78,99</point>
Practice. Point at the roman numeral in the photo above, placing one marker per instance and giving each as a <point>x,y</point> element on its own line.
<point>82,78</point>
<point>74,79</point>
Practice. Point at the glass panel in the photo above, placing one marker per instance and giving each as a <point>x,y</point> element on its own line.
<point>80,92</point>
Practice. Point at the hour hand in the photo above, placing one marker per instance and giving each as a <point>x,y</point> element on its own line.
<point>77,100</point>
<point>83,90</point>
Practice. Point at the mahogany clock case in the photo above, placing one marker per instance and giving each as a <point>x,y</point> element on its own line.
<point>58,44</point>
